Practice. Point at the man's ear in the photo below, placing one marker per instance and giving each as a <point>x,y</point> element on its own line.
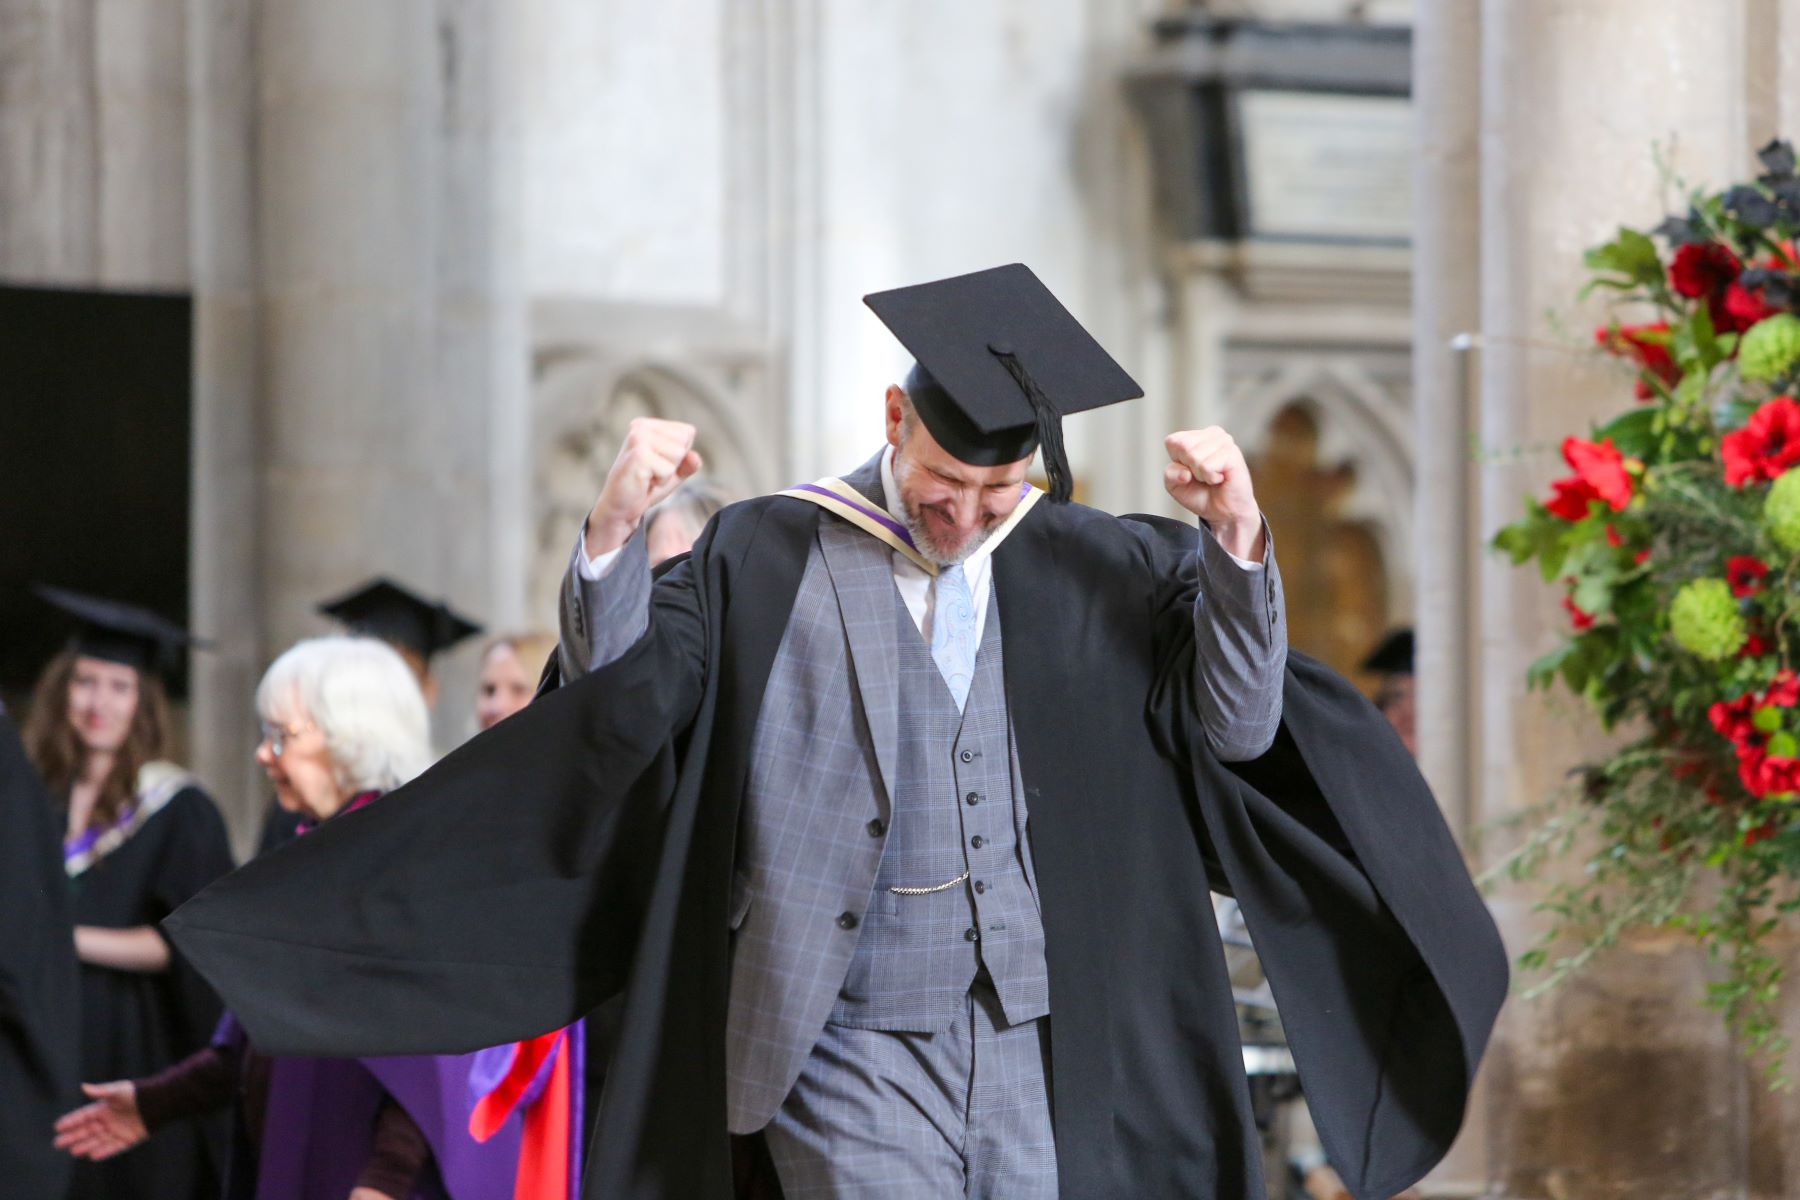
<point>895,413</point>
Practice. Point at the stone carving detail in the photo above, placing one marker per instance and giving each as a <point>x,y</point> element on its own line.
<point>583,406</point>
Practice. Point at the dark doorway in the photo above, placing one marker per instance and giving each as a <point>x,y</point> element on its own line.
<point>95,433</point>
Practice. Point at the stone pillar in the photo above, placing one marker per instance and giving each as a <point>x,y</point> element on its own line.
<point>1446,231</point>
<point>1620,1084</point>
<point>226,600</point>
<point>392,321</point>
<point>93,143</point>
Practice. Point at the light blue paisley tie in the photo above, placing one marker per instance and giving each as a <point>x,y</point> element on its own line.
<point>953,632</point>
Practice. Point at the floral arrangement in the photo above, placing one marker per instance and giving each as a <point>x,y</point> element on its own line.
<point>1675,541</point>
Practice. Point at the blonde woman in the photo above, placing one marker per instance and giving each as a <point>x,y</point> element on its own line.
<point>510,666</point>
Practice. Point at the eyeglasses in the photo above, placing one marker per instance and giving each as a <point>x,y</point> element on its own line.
<point>278,736</point>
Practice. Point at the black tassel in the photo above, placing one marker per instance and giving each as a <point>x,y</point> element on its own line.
<point>1049,428</point>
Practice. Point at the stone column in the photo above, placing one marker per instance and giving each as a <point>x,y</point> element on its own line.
<point>392,321</point>
<point>1620,1084</point>
<point>1446,232</point>
<point>226,600</point>
<point>93,143</point>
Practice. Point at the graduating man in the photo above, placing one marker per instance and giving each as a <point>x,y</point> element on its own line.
<point>892,812</point>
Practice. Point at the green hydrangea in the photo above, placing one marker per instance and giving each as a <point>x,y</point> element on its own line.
<point>1770,348</point>
<point>1781,511</point>
<point>1705,620</point>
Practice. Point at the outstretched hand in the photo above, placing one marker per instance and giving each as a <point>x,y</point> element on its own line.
<point>1207,475</point>
<point>108,1126</point>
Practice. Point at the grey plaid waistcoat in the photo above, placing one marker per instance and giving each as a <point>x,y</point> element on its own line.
<point>956,810</point>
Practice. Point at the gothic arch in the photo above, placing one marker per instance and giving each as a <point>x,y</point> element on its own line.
<point>1360,422</point>
<point>583,404</point>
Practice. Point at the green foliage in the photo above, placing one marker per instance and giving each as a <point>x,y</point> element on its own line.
<point>1627,262</point>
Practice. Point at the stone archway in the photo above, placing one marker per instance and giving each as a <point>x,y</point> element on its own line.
<point>1328,439</point>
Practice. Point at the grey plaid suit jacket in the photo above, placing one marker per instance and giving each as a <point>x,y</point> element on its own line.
<point>816,808</point>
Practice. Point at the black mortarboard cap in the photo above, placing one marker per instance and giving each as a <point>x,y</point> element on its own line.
<point>383,609</point>
<point>119,632</point>
<point>1000,363</point>
<point>1394,656</point>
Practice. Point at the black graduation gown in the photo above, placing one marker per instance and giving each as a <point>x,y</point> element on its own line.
<point>39,1039</point>
<point>584,847</point>
<point>136,1023</point>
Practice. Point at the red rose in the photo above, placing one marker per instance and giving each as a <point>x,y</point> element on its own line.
<point>1570,501</point>
<point>1601,466</point>
<point>1640,344</point>
<point>1732,719</point>
<point>1784,690</point>
<point>1778,775</point>
<point>1642,556</point>
<point>1755,646</point>
<point>1582,621</point>
<point>1600,474</point>
<point>1703,269</point>
<point>1767,445</point>
<point>1614,538</point>
<point>1750,771</point>
<point>1740,308</point>
<point>1745,573</point>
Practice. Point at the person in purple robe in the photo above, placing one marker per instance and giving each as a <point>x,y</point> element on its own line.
<point>343,721</point>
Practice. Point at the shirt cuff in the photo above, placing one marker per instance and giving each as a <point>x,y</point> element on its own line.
<point>1244,563</point>
<point>593,569</point>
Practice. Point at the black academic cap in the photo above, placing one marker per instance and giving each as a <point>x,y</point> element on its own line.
<point>1000,363</point>
<point>383,609</point>
<point>119,632</point>
<point>1394,656</point>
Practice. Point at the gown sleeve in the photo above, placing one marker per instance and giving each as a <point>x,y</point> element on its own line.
<point>39,989</point>
<point>1383,960</point>
<point>496,897</point>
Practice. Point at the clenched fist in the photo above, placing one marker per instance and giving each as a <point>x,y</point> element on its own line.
<point>656,457</point>
<point>1207,476</point>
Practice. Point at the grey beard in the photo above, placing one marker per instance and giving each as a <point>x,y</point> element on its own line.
<point>927,545</point>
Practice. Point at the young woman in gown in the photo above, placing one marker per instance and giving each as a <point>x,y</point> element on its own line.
<point>140,836</point>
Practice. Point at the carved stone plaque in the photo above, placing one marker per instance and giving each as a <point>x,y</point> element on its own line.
<point>1328,167</point>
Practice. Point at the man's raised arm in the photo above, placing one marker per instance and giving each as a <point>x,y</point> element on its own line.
<point>1240,616</point>
<point>605,602</point>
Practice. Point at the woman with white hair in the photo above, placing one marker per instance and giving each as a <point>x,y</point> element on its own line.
<point>343,721</point>
<point>340,726</point>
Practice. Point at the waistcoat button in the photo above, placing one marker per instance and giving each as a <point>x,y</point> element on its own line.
<point>847,920</point>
